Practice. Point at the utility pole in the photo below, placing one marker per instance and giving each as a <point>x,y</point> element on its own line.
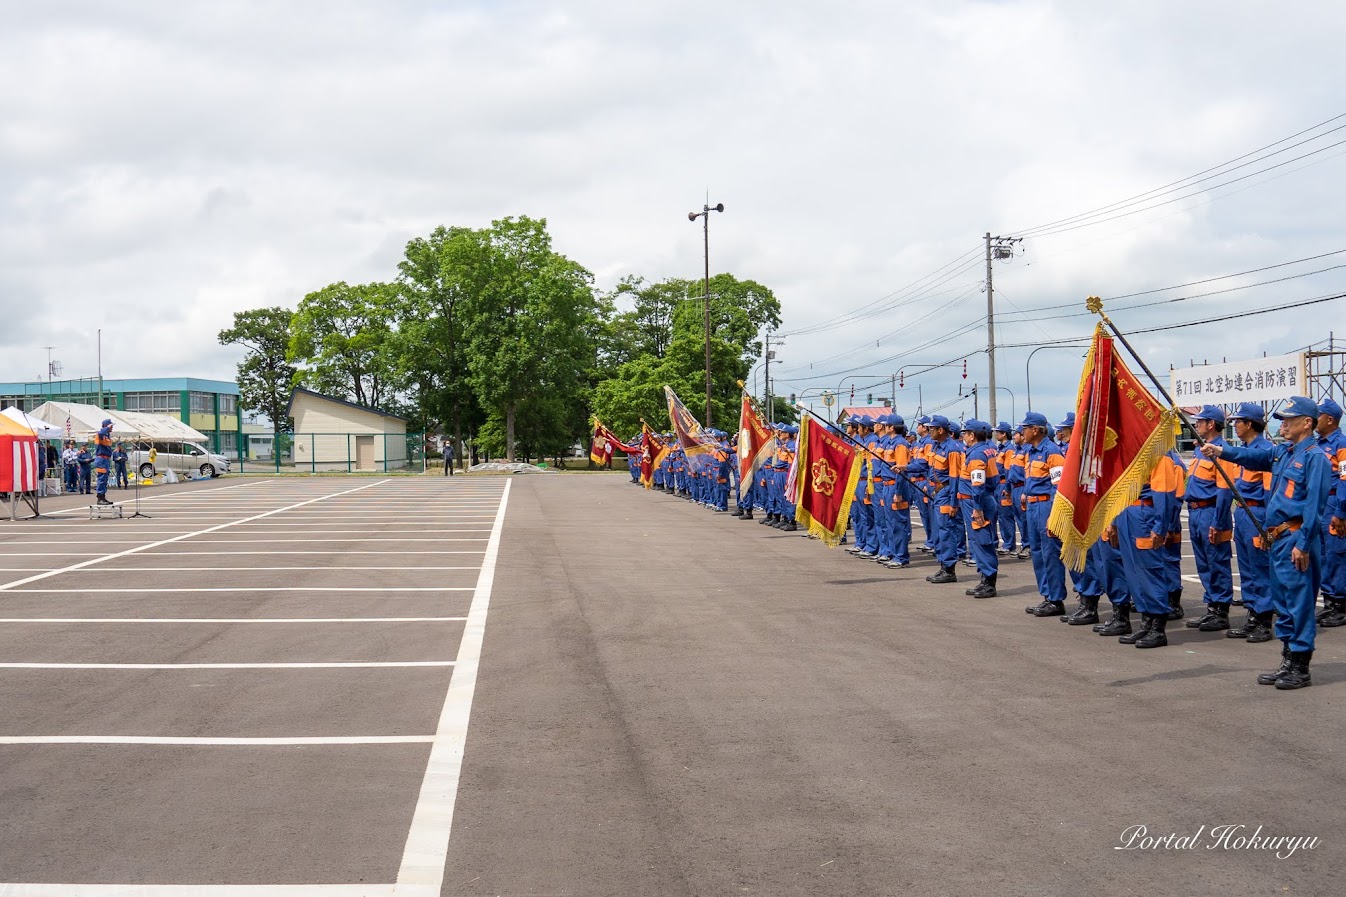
<point>766,386</point>
<point>704,215</point>
<point>996,248</point>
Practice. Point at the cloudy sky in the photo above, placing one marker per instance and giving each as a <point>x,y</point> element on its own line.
<point>163,165</point>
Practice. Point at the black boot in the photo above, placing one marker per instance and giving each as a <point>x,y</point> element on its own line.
<point>738,512</point>
<point>766,521</point>
<point>944,575</point>
<point>1261,630</point>
<point>1175,611</point>
<point>1217,619</point>
<point>1275,675</point>
<point>1155,637</point>
<point>1080,607</point>
<point>1207,617</point>
<point>1336,617</point>
<point>790,527</point>
<point>1329,608</point>
<point>747,515</point>
<point>1119,623</point>
<point>1146,623</point>
<point>1243,632</point>
<point>986,589</point>
<point>1088,612</point>
<point>1047,609</point>
<point>1298,674</point>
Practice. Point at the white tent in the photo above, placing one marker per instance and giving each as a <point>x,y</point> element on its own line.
<point>85,420</point>
<point>41,428</point>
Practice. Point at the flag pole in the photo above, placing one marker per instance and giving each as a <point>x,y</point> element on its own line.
<point>866,449</point>
<point>1095,305</point>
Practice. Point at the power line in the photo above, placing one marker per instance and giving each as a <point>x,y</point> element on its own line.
<point>1205,174</point>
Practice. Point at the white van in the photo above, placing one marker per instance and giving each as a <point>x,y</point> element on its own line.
<point>180,457</point>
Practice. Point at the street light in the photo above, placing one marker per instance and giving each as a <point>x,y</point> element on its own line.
<point>704,215</point>
<point>1013,404</point>
<point>1028,381</point>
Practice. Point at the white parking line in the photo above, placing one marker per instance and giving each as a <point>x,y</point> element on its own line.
<point>95,592</point>
<point>206,740</point>
<point>232,619</point>
<point>81,564</point>
<point>330,664</point>
<point>427,847</point>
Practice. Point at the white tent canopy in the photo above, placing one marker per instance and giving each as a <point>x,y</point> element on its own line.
<point>85,421</point>
<point>43,429</point>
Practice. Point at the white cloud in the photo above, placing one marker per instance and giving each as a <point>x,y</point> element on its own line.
<point>162,166</point>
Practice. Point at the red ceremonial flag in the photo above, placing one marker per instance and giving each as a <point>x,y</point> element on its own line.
<point>605,443</point>
<point>652,452</point>
<point>827,469</point>
<point>756,442</point>
<point>1121,432</point>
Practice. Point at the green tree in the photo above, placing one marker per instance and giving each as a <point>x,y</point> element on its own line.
<point>440,275</point>
<point>533,326</point>
<point>342,334</point>
<point>265,376</point>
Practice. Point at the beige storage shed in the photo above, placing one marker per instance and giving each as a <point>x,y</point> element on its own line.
<point>336,435</point>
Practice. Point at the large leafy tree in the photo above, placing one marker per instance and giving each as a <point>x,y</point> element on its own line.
<point>533,327</point>
<point>440,275</point>
<point>265,376</point>
<point>342,334</point>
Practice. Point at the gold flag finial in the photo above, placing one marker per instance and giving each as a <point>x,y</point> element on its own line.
<point>1094,304</point>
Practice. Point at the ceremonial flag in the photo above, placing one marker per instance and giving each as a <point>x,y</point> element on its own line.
<point>1121,432</point>
<point>694,439</point>
<point>827,468</point>
<point>605,443</point>
<point>756,441</point>
<point>652,452</point>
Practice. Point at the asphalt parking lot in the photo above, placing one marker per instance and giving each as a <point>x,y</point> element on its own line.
<point>270,683</point>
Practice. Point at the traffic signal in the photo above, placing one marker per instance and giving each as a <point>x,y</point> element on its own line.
<point>869,399</point>
<point>792,398</point>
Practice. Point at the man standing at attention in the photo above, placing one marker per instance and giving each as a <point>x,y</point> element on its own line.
<point>1301,480</point>
<point>1210,524</point>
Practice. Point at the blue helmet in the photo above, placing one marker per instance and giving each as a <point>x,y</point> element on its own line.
<point>1068,422</point>
<point>1035,419</point>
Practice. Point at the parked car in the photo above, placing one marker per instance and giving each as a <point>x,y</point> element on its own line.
<point>180,457</point>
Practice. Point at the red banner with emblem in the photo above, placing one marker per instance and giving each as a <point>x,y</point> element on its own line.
<point>827,468</point>
<point>1121,432</point>
<point>652,452</point>
<point>756,442</point>
<point>605,443</point>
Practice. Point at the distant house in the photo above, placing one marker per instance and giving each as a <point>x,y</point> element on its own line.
<point>867,410</point>
<point>333,434</point>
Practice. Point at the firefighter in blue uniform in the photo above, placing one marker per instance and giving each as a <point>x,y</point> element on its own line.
<point>1301,483</point>
<point>1210,524</point>
<point>119,466</point>
<point>1044,463</point>
<point>866,539</point>
<point>920,470</point>
<point>979,503</point>
<point>1254,563</point>
<point>899,457</point>
<point>945,465</point>
<point>1333,444</point>
<point>85,461</point>
<point>1004,456</point>
<point>103,460</point>
<point>1088,583</point>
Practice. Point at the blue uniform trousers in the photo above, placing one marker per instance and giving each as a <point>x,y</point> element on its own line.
<point>71,477</point>
<point>1006,522</point>
<point>84,482</point>
<point>1145,561</point>
<point>1295,594</point>
<point>745,497</point>
<point>1254,562</point>
<point>948,531</point>
<point>122,481</point>
<point>884,518</point>
<point>1334,564</point>
<point>902,524</point>
<point>102,472</point>
<point>981,540</point>
<point>1045,551</point>
<point>923,510</point>
<point>864,519</point>
<point>1088,581</point>
<point>1214,560</point>
<point>1112,571</point>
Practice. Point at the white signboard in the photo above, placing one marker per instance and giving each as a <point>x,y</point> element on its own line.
<point>1261,380</point>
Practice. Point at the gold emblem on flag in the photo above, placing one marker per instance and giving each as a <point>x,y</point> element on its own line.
<point>824,477</point>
